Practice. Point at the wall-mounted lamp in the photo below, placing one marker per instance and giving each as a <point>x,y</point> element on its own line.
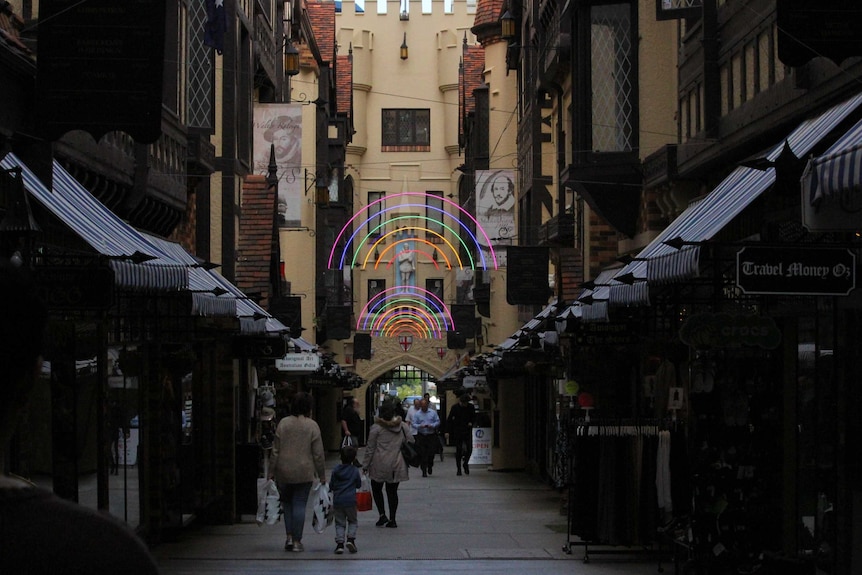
<point>321,189</point>
<point>404,47</point>
<point>291,58</point>
<point>507,26</point>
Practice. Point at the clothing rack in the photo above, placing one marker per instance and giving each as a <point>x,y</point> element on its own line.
<point>612,493</point>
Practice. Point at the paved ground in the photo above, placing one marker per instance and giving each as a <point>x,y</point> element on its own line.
<point>486,523</point>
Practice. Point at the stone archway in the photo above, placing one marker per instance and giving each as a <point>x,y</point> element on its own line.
<point>423,353</point>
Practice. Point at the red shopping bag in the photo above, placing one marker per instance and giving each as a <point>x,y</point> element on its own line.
<point>363,496</point>
<point>363,501</point>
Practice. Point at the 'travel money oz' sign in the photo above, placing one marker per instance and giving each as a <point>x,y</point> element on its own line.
<point>795,270</point>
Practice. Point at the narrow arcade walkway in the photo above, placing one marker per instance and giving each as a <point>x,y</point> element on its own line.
<point>485,522</point>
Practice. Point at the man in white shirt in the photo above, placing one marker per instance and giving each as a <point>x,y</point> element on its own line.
<point>410,413</point>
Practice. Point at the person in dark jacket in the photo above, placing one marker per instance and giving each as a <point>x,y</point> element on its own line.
<point>459,425</point>
<point>344,481</point>
<point>351,423</point>
<point>383,461</point>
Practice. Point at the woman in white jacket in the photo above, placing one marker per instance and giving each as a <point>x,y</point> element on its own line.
<point>383,461</point>
<point>298,454</point>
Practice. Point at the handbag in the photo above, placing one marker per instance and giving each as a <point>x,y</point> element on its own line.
<point>363,496</point>
<point>408,451</point>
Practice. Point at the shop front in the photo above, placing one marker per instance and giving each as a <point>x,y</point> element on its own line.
<point>747,328</point>
<point>134,411</point>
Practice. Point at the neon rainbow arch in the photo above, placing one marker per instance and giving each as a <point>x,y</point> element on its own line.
<point>361,218</point>
<point>393,309</point>
<point>409,310</point>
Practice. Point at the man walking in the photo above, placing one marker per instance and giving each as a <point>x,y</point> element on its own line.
<point>460,423</point>
<point>425,423</point>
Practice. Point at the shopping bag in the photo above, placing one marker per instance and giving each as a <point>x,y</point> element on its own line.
<point>268,502</point>
<point>323,515</point>
<point>363,496</point>
<point>348,441</point>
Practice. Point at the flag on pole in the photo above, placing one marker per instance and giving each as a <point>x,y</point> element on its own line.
<point>216,25</point>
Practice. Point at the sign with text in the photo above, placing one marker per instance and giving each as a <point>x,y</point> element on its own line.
<point>604,333</point>
<point>795,270</point>
<point>305,362</point>
<point>101,67</point>
<point>70,287</point>
<point>481,446</point>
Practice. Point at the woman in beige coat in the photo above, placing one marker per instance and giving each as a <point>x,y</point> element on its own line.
<point>383,461</point>
<point>298,455</point>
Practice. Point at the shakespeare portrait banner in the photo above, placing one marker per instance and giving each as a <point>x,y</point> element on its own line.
<point>495,208</point>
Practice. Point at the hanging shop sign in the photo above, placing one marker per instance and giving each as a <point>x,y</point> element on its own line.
<point>527,276</point>
<point>304,362</point>
<point>475,381</point>
<point>605,333</point>
<point>70,287</point>
<point>320,381</point>
<point>260,347</point>
<point>795,270</point>
<point>723,330</point>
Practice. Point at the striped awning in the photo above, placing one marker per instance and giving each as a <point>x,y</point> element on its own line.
<point>530,327</point>
<point>213,295</point>
<point>659,263</point>
<point>103,230</point>
<point>839,170</point>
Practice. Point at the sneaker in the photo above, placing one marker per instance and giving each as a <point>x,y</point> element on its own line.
<point>382,521</point>
<point>288,543</point>
<point>392,524</point>
<point>339,548</point>
<point>351,546</point>
<point>297,547</point>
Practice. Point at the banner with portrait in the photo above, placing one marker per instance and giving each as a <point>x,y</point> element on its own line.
<point>495,210</point>
<point>278,127</point>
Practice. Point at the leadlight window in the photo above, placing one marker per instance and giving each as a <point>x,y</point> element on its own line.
<point>406,127</point>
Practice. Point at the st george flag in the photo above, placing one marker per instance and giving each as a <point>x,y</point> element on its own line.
<point>216,25</point>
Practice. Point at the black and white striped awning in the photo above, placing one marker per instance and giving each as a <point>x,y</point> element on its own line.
<point>838,171</point>
<point>659,263</point>
<point>104,231</point>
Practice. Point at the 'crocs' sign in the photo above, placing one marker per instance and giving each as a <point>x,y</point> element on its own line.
<point>795,270</point>
<point>726,330</point>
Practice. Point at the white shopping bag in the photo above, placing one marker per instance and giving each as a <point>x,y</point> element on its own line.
<point>323,514</point>
<point>268,502</point>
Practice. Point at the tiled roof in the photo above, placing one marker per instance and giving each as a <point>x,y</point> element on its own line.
<point>322,16</point>
<point>488,12</point>
<point>344,84</point>
<point>474,66</point>
<point>257,237</point>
